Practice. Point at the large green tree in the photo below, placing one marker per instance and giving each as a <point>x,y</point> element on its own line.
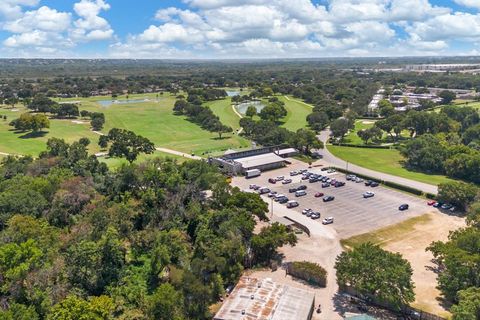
<point>378,273</point>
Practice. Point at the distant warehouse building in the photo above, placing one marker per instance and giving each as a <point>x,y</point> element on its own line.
<point>254,299</point>
<point>263,159</point>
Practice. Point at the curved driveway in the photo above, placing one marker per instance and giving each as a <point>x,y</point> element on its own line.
<point>334,161</point>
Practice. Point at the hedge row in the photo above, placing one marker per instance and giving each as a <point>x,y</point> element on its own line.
<point>388,183</point>
<point>308,271</point>
<point>403,188</point>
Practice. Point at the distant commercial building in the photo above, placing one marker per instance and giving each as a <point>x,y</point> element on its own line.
<point>442,67</point>
<point>263,159</point>
<point>255,299</point>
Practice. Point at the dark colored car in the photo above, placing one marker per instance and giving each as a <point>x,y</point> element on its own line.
<point>437,204</point>
<point>292,190</point>
<point>283,200</point>
<point>374,184</point>
<point>328,198</point>
<point>302,187</point>
<point>368,183</point>
<point>318,194</point>
<point>339,184</point>
<point>325,185</point>
<point>272,180</point>
<point>324,169</point>
<point>403,207</point>
<point>312,180</point>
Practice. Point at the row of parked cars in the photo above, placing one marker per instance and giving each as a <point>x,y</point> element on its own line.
<point>314,215</point>
<point>443,206</point>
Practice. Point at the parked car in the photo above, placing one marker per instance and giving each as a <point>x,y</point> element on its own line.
<point>272,194</point>
<point>324,169</point>
<point>374,184</point>
<point>403,207</point>
<point>283,200</point>
<point>313,180</point>
<point>437,204</point>
<point>300,193</point>
<point>272,180</point>
<point>325,185</point>
<point>368,194</point>
<point>315,215</point>
<point>304,211</point>
<point>339,184</point>
<point>328,220</point>
<point>351,177</point>
<point>278,197</point>
<point>309,214</point>
<point>252,186</point>
<point>446,206</point>
<point>431,202</point>
<point>280,178</point>
<point>263,190</point>
<point>331,171</point>
<point>294,173</point>
<point>302,187</point>
<point>368,183</point>
<point>292,204</point>
<point>318,194</point>
<point>256,187</point>
<point>287,181</point>
<point>358,180</point>
<point>305,178</point>
<point>328,198</point>
<point>303,170</point>
<point>292,190</point>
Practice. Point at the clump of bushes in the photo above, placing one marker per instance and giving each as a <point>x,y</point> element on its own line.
<point>308,271</point>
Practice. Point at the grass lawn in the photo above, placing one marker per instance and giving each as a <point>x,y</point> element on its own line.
<point>114,163</point>
<point>297,113</point>
<point>384,160</point>
<point>384,235</point>
<point>223,110</point>
<point>153,119</point>
<point>24,143</point>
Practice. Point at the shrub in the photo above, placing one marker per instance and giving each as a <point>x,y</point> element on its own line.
<point>308,271</point>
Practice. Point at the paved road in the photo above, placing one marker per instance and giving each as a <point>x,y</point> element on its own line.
<point>332,160</point>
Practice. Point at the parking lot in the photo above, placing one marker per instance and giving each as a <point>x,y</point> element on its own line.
<point>352,213</point>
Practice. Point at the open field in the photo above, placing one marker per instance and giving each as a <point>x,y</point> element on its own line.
<point>383,160</point>
<point>410,238</point>
<point>153,119</point>
<point>24,143</point>
<point>297,113</point>
<point>223,110</point>
<point>114,163</point>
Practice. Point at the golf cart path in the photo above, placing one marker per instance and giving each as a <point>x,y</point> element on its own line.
<point>178,153</point>
<point>333,160</point>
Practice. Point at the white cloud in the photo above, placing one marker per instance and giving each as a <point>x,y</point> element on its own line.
<point>448,27</point>
<point>12,9</point>
<point>91,26</point>
<point>44,19</point>
<point>469,3</point>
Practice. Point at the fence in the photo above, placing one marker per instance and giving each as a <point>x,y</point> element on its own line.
<point>405,310</point>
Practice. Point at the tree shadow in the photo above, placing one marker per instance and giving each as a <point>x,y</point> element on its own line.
<point>345,303</point>
<point>32,135</point>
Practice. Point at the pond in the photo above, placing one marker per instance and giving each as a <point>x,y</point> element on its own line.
<point>232,93</point>
<point>242,107</point>
<point>107,103</point>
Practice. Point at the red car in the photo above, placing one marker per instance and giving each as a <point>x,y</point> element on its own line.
<point>318,194</point>
<point>431,202</point>
<point>272,180</point>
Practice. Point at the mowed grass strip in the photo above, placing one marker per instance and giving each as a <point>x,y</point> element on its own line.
<point>384,160</point>
<point>297,113</point>
<point>156,121</point>
<point>388,234</point>
<point>24,143</point>
<point>223,109</point>
<point>115,163</point>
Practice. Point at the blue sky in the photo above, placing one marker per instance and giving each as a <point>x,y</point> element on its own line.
<point>237,28</point>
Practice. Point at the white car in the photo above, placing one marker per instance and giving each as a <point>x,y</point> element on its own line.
<point>280,178</point>
<point>358,180</point>
<point>328,220</point>
<point>305,211</point>
<point>294,173</point>
<point>368,194</point>
<point>287,181</point>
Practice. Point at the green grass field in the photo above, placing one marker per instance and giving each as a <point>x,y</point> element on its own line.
<point>297,113</point>
<point>223,109</point>
<point>114,163</point>
<point>154,120</point>
<point>384,160</point>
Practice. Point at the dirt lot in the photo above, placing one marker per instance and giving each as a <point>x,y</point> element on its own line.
<point>412,246</point>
